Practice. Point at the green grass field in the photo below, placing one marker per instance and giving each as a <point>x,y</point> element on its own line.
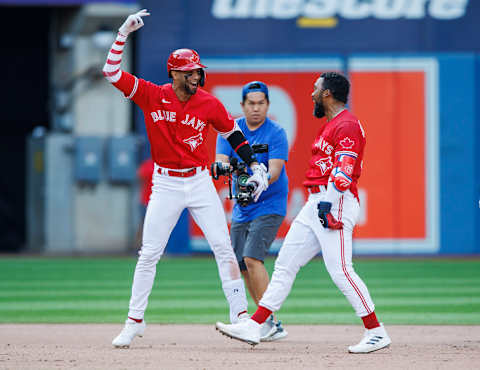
<point>97,290</point>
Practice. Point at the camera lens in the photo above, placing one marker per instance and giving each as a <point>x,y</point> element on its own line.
<point>242,179</point>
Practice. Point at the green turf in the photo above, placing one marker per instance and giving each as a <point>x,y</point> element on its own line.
<point>71,290</point>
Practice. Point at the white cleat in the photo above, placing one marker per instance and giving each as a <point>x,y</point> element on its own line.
<point>267,329</point>
<point>276,336</point>
<point>246,331</point>
<point>129,331</point>
<point>271,331</point>
<point>242,317</point>
<point>373,340</point>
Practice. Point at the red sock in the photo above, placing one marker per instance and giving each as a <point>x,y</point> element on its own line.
<point>261,314</point>
<point>370,321</point>
<point>136,320</point>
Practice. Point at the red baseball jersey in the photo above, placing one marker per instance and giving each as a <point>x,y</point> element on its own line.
<point>176,130</point>
<point>342,135</point>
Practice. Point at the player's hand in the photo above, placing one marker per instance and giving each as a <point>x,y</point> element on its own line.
<point>326,218</point>
<point>133,22</point>
<point>259,180</point>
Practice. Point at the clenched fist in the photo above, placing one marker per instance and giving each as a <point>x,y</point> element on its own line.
<point>326,218</point>
<point>133,22</point>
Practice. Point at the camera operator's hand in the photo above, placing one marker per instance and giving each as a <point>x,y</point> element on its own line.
<point>259,179</point>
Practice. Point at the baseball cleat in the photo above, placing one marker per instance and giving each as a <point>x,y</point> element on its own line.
<point>276,336</point>
<point>247,331</point>
<point>268,328</point>
<point>129,331</point>
<point>243,316</point>
<point>272,331</point>
<point>373,340</point>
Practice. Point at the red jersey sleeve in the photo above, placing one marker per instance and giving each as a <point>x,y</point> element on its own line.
<point>136,89</point>
<point>349,140</point>
<point>222,121</point>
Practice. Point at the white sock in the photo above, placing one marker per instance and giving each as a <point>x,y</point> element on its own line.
<point>235,293</point>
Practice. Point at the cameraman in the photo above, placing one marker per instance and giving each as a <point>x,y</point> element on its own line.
<point>255,225</point>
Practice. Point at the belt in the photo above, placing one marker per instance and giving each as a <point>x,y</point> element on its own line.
<point>187,172</point>
<point>316,189</point>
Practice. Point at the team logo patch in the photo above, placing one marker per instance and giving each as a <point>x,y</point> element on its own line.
<point>325,164</point>
<point>349,169</point>
<point>194,141</point>
<point>347,143</point>
<point>344,183</point>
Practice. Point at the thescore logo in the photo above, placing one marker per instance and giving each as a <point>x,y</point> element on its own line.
<point>348,9</point>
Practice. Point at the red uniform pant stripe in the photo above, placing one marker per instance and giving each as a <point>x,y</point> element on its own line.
<point>344,267</point>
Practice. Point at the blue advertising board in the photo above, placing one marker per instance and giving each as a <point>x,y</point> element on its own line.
<point>240,27</point>
<point>59,2</point>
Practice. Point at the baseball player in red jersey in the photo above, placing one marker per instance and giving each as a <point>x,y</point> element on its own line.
<point>326,221</point>
<point>178,116</point>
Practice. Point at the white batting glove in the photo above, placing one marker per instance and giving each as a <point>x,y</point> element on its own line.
<point>259,179</point>
<point>133,22</point>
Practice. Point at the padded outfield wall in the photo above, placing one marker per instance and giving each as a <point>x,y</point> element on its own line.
<point>414,72</point>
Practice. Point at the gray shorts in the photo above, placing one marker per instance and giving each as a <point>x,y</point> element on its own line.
<point>254,238</point>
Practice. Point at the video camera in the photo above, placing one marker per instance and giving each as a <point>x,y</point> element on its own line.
<point>243,192</point>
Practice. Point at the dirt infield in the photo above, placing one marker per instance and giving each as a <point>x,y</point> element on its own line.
<point>201,347</point>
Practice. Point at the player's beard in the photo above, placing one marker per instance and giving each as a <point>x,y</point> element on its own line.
<point>188,89</point>
<point>319,110</point>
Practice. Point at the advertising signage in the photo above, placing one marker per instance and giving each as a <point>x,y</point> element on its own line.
<point>60,2</point>
<point>397,104</point>
<point>331,26</point>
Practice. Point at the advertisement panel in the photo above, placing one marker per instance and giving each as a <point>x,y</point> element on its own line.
<point>60,2</point>
<point>313,26</point>
<point>290,83</point>
<point>396,102</point>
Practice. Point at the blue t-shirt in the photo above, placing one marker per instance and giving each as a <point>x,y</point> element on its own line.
<point>274,199</point>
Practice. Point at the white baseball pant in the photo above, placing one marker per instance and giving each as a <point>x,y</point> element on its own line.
<point>305,239</point>
<point>170,196</point>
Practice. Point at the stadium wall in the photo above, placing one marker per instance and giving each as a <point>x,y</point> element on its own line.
<point>421,48</point>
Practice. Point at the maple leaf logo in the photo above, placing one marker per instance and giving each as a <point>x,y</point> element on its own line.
<point>325,164</point>
<point>194,141</point>
<point>347,143</point>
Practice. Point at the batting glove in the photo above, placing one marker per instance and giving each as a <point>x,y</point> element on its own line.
<point>133,22</point>
<point>326,218</point>
<point>259,180</point>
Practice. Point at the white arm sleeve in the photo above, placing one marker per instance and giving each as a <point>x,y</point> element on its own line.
<point>111,69</point>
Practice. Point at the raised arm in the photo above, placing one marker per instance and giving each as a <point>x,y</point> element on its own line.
<point>111,69</point>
